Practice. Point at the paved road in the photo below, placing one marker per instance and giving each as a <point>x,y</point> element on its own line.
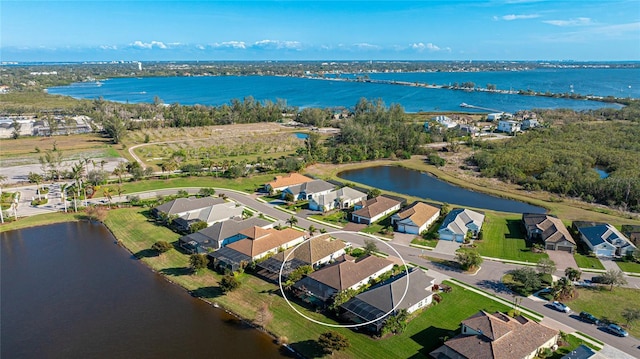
<point>488,278</point>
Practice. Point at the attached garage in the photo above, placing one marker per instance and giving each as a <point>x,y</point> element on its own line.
<point>604,253</point>
<point>565,249</point>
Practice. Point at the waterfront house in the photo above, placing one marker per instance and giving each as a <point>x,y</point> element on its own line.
<point>306,190</point>
<point>279,183</point>
<point>605,240</point>
<point>341,198</point>
<point>459,223</point>
<point>256,243</point>
<point>183,206</point>
<point>219,235</point>
<point>346,273</point>
<point>390,298</point>
<point>498,336</point>
<point>549,230</point>
<point>529,123</point>
<point>509,126</point>
<point>369,211</point>
<point>315,252</point>
<point>216,213</point>
<point>440,120</point>
<point>416,218</point>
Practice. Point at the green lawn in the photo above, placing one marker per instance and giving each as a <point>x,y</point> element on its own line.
<point>136,232</point>
<point>425,242</point>
<point>584,261</point>
<point>592,300</point>
<point>40,220</point>
<point>248,184</point>
<point>503,237</point>
<point>631,267</point>
<point>336,217</point>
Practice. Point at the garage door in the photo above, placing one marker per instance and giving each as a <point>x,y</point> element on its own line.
<point>550,246</point>
<point>565,249</point>
<point>604,253</point>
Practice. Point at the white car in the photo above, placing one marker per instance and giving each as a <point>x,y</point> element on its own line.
<point>560,307</point>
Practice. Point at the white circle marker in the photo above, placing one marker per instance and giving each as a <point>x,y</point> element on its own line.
<point>344,325</point>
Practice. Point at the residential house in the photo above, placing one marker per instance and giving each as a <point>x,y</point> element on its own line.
<point>441,120</point>
<point>583,352</point>
<point>605,240</point>
<point>344,197</point>
<point>390,298</point>
<point>549,230</point>
<point>256,244</point>
<point>499,116</point>
<point>470,130</point>
<point>182,206</point>
<point>460,222</point>
<point>529,123</point>
<point>219,235</point>
<point>509,126</point>
<point>216,213</point>
<point>306,190</point>
<point>345,273</point>
<point>315,252</point>
<point>373,209</point>
<point>415,218</point>
<point>497,336</point>
<point>279,183</point>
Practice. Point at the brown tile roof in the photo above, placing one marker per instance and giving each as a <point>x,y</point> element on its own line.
<point>261,240</point>
<point>344,274</point>
<point>375,206</point>
<point>313,250</point>
<point>419,213</point>
<point>552,228</point>
<point>502,337</point>
<point>288,180</point>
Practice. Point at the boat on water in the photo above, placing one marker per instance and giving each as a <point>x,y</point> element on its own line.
<point>464,104</point>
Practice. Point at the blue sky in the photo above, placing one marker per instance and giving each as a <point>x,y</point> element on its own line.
<point>320,30</point>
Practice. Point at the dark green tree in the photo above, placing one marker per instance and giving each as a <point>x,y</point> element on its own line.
<point>161,246</point>
<point>333,341</point>
<point>197,262</point>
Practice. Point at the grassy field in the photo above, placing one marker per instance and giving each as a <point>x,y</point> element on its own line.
<point>631,267</point>
<point>591,300</point>
<point>40,220</point>
<point>425,242</point>
<point>503,237</point>
<point>584,261</point>
<point>248,184</point>
<point>136,232</point>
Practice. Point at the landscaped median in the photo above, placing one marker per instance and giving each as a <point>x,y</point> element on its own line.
<point>424,333</point>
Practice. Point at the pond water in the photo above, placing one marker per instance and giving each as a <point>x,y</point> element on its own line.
<point>68,291</point>
<point>601,172</point>
<point>301,135</point>
<point>423,185</point>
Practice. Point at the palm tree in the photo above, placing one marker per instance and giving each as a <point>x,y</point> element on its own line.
<point>120,170</point>
<point>292,221</point>
<point>2,179</point>
<point>108,194</point>
<point>312,230</point>
<point>37,179</point>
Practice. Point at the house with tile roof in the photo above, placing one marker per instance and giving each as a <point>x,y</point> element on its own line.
<point>279,183</point>
<point>497,336</point>
<point>390,298</point>
<point>460,222</point>
<point>314,252</point>
<point>219,234</point>
<point>416,218</point>
<point>373,209</point>
<point>256,243</point>
<point>549,230</point>
<point>210,215</point>
<point>306,190</point>
<point>341,198</point>
<point>605,240</point>
<point>345,273</point>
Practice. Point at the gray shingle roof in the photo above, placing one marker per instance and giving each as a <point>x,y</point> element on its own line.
<point>181,205</point>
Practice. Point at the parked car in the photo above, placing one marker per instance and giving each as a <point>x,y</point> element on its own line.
<point>616,330</point>
<point>560,307</point>
<point>589,318</point>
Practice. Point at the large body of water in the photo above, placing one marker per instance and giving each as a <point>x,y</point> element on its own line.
<point>69,292</point>
<point>423,185</point>
<point>303,92</point>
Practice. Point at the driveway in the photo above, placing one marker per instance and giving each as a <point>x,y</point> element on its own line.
<point>563,260</point>
<point>608,263</point>
<point>447,247</point>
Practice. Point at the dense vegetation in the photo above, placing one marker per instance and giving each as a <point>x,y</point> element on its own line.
<point>562,159</point>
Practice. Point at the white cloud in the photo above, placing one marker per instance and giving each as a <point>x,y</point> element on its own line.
<point>148,45</point>
<point>428,46</point>
<point>277,45</point>
<point>512,17</point>
<point>230,44</point>
<point>580,21</point>
<point>366,46</point>
<point>108,47</point>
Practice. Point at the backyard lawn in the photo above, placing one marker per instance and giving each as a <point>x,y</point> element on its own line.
<point>503,237</point>
<point>591,300</point>
<point>136,232</point>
